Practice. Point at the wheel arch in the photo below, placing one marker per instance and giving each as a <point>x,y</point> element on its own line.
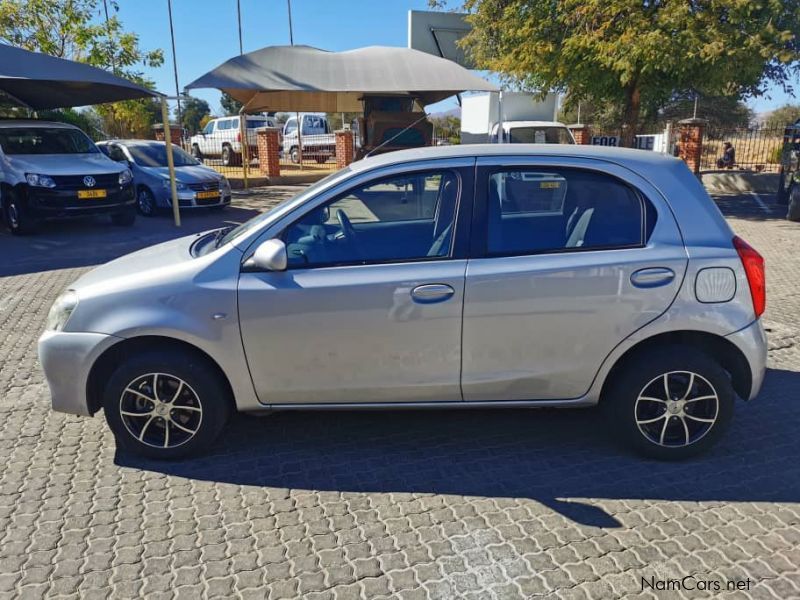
<point>112,357</point>
<point>717,347</point>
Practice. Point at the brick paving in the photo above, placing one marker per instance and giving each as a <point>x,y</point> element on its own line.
<point>473,504</point>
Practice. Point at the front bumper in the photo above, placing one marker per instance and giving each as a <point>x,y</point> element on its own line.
<point>67,359</point>
<point>189,199</point>
<point>59,204</point>
<point>752,341</point>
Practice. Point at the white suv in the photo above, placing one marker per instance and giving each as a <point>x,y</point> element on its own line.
<point>222,138</point>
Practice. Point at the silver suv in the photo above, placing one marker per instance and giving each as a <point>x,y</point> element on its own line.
<point>472,276</point>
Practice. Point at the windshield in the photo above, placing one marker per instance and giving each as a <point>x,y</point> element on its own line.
<point>45,140</point>
<point>155,155</point>
<point>540,135</point>
<point>258,219</point>
<point>255,123</point>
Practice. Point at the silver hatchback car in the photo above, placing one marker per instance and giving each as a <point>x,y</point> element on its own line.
<point>471,276</point>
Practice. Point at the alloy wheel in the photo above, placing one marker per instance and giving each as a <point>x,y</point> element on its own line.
<point>145,202</point>
<point>13,215</point>
<point>160,410</point>
<point>676,409</point>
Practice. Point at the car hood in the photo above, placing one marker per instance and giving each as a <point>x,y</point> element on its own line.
<point>145,263</point>
<point>187,174</point>
<point>64,164</point>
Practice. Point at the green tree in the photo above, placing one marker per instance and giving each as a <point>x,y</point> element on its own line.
<point>788,113</point>
<point>637,53</point>
<point>448,127</point>
<point>76,30</point>
<point>338,120</point>
<point>192,112</point>
<point>229,105</point>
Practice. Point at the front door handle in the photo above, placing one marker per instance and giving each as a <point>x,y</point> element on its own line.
<point>432,292</point>
<point>652,277</point>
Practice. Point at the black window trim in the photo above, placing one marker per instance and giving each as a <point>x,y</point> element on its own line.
<point>479,246</point>
<point>461,219</point>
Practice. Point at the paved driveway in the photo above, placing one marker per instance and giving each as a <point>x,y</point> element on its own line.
<point>473,504</point>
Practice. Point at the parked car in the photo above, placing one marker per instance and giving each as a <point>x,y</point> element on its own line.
<point>316,139</point>
<point>198,185</point>
<point>222,139</point>
<point>53,171</point>
<point>461,276</point>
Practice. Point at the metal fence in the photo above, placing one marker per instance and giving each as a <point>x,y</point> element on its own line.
<point>756,148</point>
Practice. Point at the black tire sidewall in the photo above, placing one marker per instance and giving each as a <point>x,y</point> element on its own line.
<point>26,224</point>
<point>151,202</point>
<point>197,372</point>
<point>620,398</point>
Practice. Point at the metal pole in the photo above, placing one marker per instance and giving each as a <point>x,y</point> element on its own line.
<point>175,64</point>
<point>110,41</point>
<point>239,16</point>
<point>176,209</point>
<point>297,114</point>
<point>245,143</point>
<point>291,34</point>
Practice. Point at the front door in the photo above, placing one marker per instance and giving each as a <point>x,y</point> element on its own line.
<point>569,261</point>
<point>369,309</point>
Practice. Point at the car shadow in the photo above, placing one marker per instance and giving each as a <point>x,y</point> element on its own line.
<point>92,241</point>
<point>561,458</point>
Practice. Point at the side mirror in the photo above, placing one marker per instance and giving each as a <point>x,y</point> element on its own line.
<point>270,256</point>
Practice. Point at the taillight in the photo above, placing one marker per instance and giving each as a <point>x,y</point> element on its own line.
<point>753,264</point>
<point>238,136</point>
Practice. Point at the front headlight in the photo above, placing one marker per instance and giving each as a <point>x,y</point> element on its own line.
<point>178,185</point>
<point>125,177</point>
<point>61,310</point>
<point>36,180</point>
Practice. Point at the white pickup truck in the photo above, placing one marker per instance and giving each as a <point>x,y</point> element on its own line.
<point>222,138</point>
<point>316,139</point>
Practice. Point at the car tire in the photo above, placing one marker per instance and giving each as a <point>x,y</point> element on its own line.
<point>230,158</point>
<point>166,404</point>
<point>196,152</point>
<point>690,421</point>
<point>294,155</point>
<point>18,220</point>
<point>793,212</point>
<point>321,160</point>
<point>146,202</point>
<point>125,217</point>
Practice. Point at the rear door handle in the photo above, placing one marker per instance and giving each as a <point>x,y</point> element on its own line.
<point>652,277</point>
<point>432,292</point>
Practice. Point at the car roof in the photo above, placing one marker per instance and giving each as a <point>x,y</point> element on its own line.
<point>132,142</point>
<point>625,156</point>
<point>34,123</point>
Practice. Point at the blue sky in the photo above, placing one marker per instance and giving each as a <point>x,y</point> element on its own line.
<point>206,33</point>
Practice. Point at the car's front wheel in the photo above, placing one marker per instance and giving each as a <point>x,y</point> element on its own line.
<point>146,202</point>
<point>166,404</point>
<point>670,403</point>
<point>18,220</point>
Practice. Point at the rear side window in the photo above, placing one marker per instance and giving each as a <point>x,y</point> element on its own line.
<point>534,211</point>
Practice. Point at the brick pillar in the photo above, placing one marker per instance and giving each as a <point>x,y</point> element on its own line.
<point>691,142</point>
<point>269,161</point>
<point>581,133</point>
<point>345,148</point>
<point>174,130</point>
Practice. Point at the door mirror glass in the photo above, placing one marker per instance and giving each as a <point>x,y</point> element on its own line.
<point>270,256</point>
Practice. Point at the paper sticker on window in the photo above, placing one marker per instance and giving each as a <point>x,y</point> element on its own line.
<point>539,137</point>
<point>550,185</point>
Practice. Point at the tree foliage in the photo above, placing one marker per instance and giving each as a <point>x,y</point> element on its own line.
<point>193,110</point>
<point>637,53</point>
<point>784,115</point>
<point>447,127</point>
<point>229,105</point>
<point>76,30</point>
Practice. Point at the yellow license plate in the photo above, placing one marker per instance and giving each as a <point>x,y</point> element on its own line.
<point>91,193</point>
<point>211,194</point>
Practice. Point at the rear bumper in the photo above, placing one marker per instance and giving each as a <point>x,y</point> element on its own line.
<point>752,342</point>
<point>67,359</point>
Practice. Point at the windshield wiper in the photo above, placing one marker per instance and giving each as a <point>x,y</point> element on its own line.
<point>222,232</point>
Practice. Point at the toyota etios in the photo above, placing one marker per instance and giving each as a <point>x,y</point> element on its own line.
<point>471,276</point>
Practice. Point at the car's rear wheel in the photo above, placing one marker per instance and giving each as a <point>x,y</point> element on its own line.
<point>294,155</point>
<point>166,405</point>
<point>196,152</point>
<point>17,217</point>
<point>230,158</point>
<point>670,403</point>
<point>125,217</point>
<point>146,202</point>
<point>793,213</point>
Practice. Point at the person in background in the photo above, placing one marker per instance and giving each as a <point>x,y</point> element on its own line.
<point>728,158</point>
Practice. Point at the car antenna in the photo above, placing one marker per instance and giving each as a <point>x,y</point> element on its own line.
<point>398,134</point>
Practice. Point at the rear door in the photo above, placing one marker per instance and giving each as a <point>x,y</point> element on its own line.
<point>569,258</point>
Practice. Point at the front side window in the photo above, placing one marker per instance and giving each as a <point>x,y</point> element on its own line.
<point>155,155</point>
<point>291,126</point>
<point>209,128</point>
<point>534,211</point>
<point>400,218</point>
<point>45,140</point>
